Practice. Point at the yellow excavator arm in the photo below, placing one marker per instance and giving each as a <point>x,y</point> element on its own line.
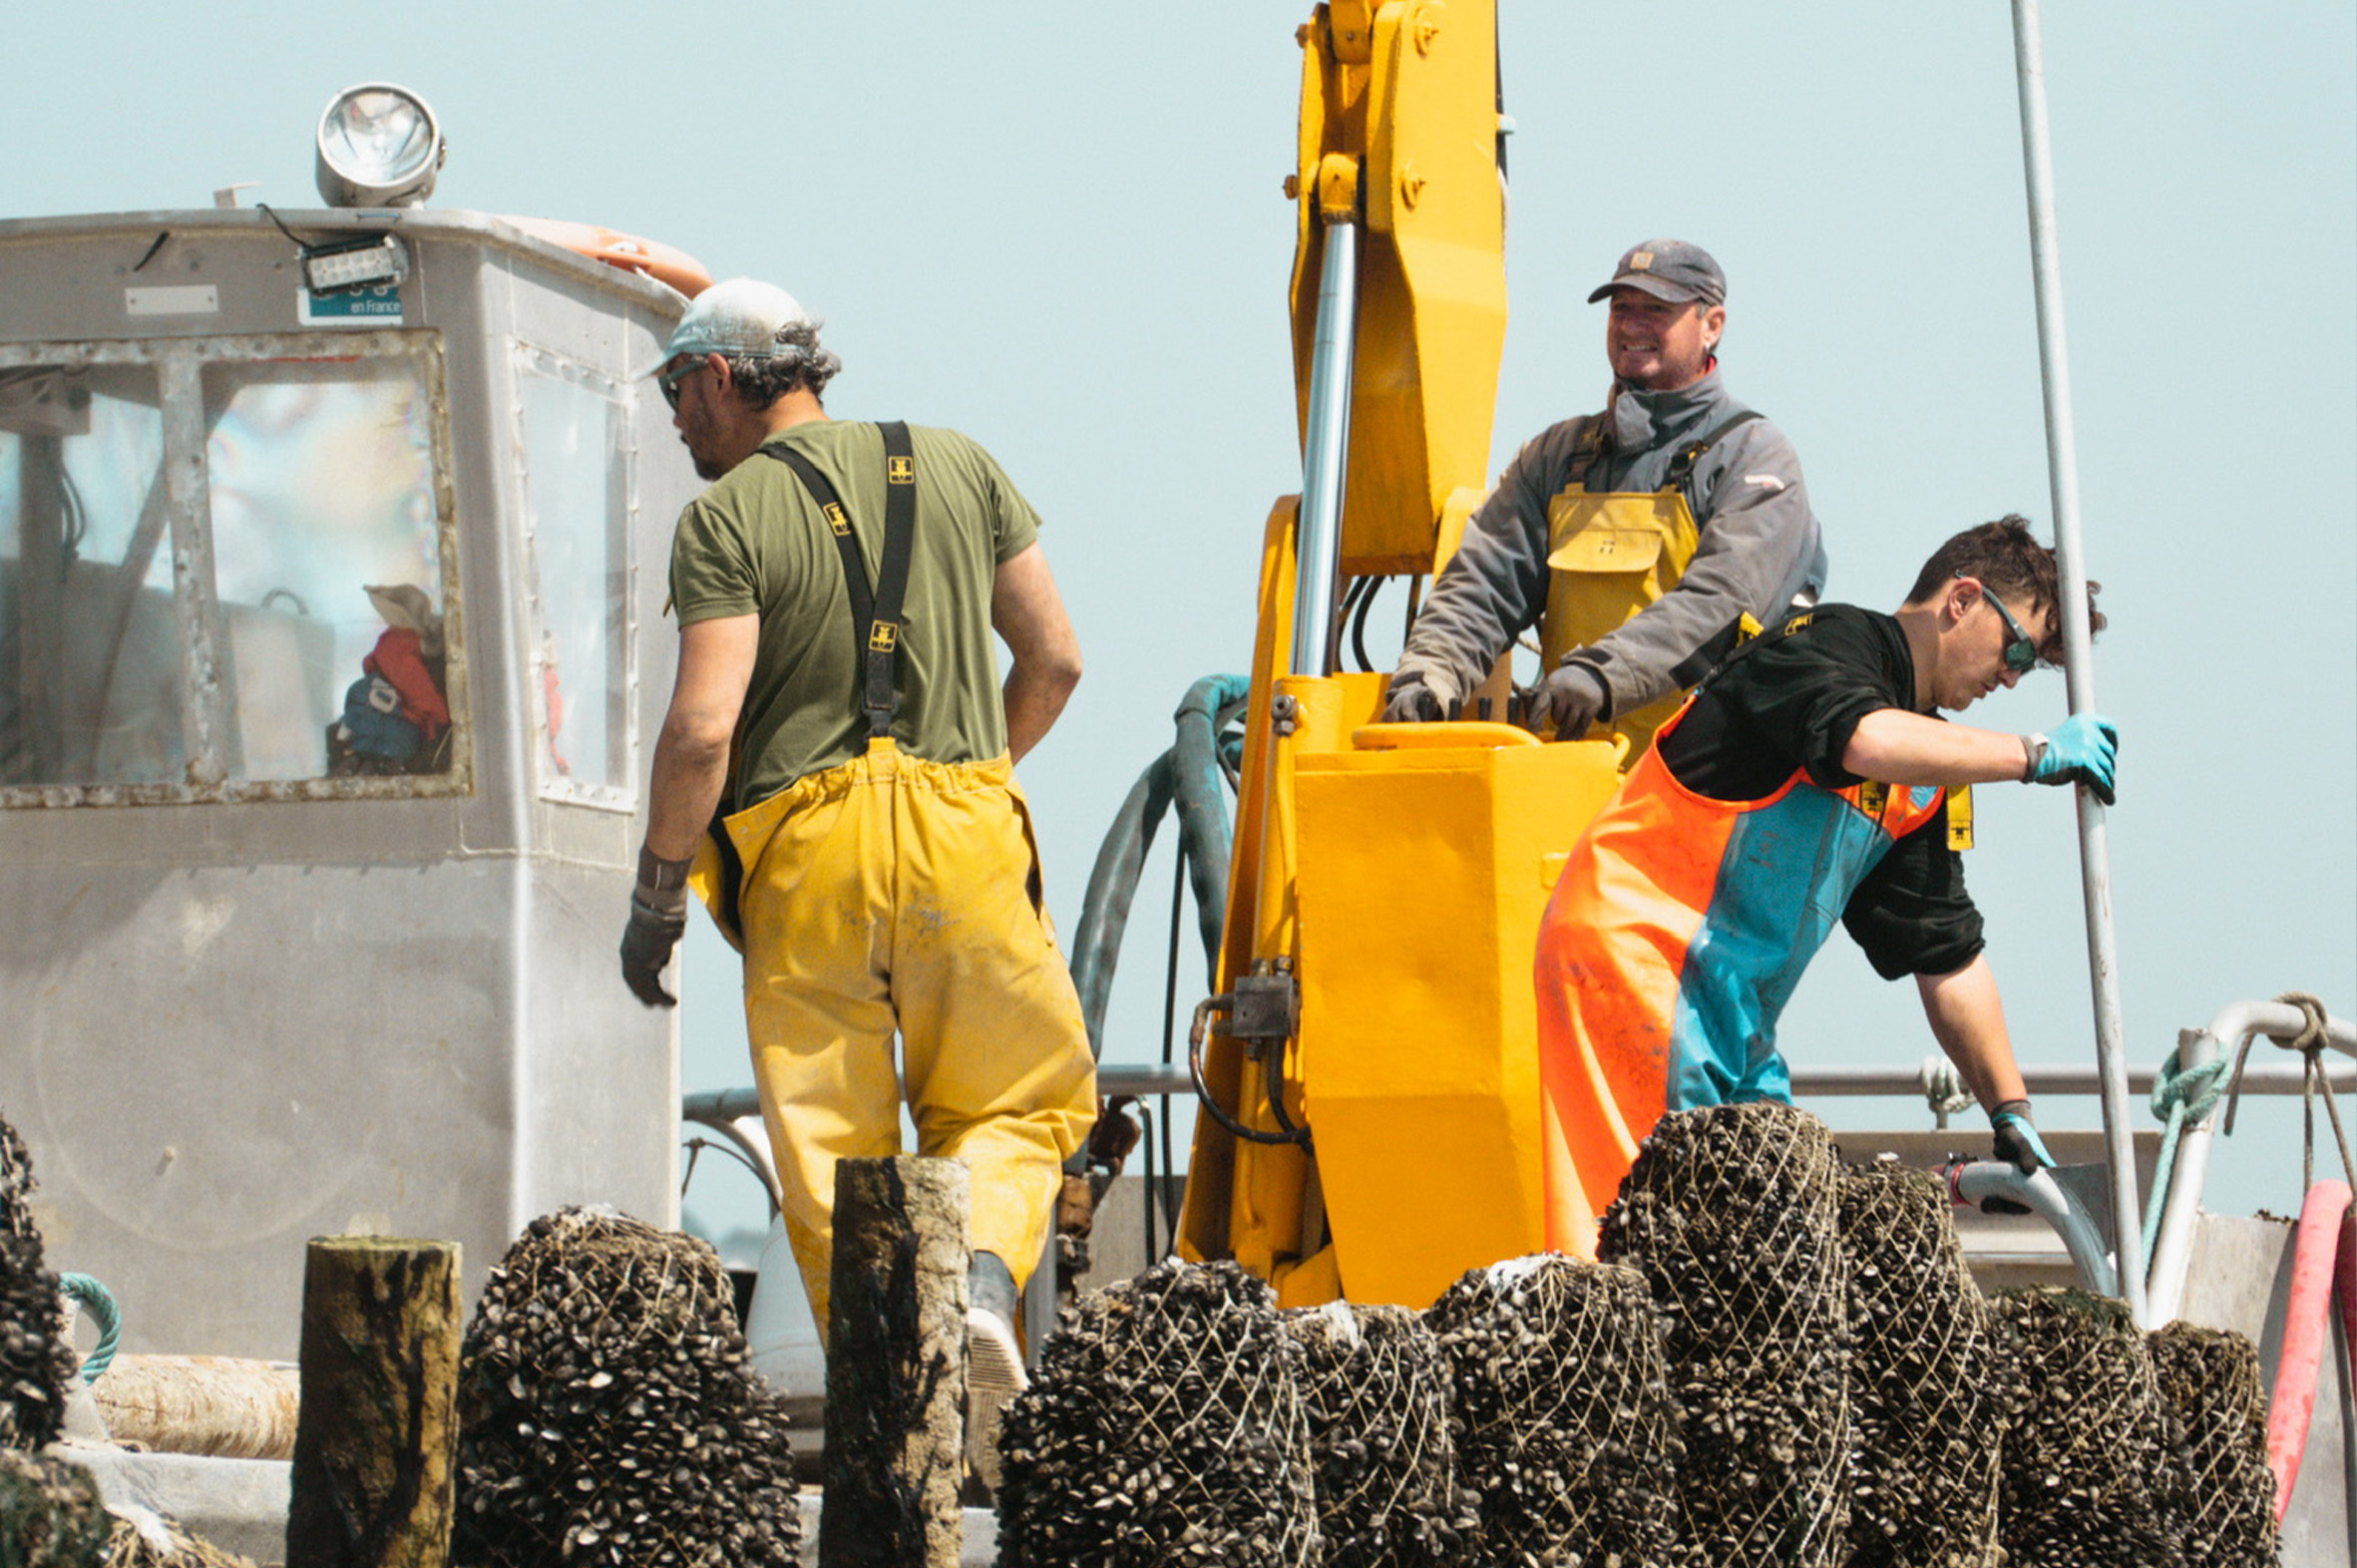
<point>1369,1068</point>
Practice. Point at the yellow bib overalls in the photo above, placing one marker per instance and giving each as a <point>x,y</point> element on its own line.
<point>1609,554</point>
<point>889,894</point>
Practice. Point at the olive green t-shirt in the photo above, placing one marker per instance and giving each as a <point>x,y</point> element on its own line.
<point>755,544</point>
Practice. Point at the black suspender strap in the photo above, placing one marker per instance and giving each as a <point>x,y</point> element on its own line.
<point>891,587</point>
<point>1587,450</point>
<point>874,612</point>
<point>1681,466</point>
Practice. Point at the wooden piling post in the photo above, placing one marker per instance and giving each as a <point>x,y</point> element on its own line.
<point>896,1366</point>
<point>376,1439</point>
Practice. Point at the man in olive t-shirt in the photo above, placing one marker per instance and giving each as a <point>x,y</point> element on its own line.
<point>872,857</point>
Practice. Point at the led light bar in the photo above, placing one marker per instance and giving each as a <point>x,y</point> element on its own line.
<point>352,265</point>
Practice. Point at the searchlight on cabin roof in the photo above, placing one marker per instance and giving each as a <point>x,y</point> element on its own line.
<point>379,146</point>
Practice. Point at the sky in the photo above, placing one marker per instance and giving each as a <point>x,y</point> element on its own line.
<point>1061,229</point>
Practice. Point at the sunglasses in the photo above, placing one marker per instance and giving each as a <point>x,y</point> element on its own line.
<point>2020,651</point>
<point>670,380</point>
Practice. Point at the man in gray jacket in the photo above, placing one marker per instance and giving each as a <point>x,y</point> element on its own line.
<point>1645,541</point>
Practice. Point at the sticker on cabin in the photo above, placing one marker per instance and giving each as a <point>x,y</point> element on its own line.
<point>378,306</point>
<point>173,299</point>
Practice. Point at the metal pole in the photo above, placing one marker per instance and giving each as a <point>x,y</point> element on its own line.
<point>2172,1247</point>
<point>2062,461</point>
<point>1323,443</point>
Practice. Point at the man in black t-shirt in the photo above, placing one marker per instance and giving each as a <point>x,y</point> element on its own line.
<point>1805,782</point>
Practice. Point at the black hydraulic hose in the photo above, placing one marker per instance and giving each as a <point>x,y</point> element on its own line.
<point>1358,622</point>
<point>1219,1112</point>
<point>1206,830</point>
<point>1193,773</point>
<point>1147,1141</point>
<point>1112,885</point>
<point>1190,774</point>
<point>1170,968</point>
<point>1276,1085</point>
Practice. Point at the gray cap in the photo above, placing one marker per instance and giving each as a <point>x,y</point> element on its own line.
<point>1669,269</point>
<point>740,318</point>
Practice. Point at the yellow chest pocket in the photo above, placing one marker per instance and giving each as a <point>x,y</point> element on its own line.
<point>1608,557</point>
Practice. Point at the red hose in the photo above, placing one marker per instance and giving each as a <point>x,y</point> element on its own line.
<point>2318,1258</point>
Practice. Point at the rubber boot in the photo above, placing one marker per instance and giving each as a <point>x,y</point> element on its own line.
<point>993,1361</point>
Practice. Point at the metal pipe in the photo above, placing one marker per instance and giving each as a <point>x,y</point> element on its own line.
<point>709,1110</point>
<point>1325,442</point>
<point>2172,1249</point>
<point>1166,1078</point>
<point>2044,1197</point>
<point>2062,459</point>
<point>1866,1082</point>
<point>1144,1078</point>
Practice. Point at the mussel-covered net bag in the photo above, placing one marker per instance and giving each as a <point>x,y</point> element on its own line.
<point>1375,1394</point>
<point>608,1414</point>
<point>1165,1427</point>
<point>2085,1454</point>
<point>1928,1415</point>
<point>1560,1405</point>
<point>36,1360</point>
<point>2221,1495</point>
<point>49,1512</point>
<point>1731,1214</point>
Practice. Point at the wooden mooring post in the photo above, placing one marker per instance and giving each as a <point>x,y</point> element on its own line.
<point>896,1366</point>
<point>376,1438</point>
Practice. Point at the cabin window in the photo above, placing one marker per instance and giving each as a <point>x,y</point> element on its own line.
<point>90,647</point>
<point>573,455</point>
<point>327,569</point>
<point>225,572</point>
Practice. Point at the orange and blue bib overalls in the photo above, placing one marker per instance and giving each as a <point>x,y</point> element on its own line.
<point>1675,937</point>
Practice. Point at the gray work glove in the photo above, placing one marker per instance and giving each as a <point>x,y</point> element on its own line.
<point>1572,698</point>
<point>1422,696</point>
<point>2014,1138</point>
<point>658,916</point>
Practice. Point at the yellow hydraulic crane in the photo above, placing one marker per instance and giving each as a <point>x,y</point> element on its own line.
<point>1369,1068</point>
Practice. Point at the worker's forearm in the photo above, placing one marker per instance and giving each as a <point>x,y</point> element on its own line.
<point>690,773</point>
<point>1967,1016</point>
<point>1893,746</point>
<point>1036,694</point>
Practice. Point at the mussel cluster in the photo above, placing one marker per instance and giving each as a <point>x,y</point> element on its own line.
<point>1165,1426</point>
<point>1561,1409</point>
<point>2221,1493</point>
<point>608,1414</point>
<point>1731,1214</point>
<point>1923,1490</point>
<point>36,1360</point>
<point>1375,1389</point>
<point>2085,1454</point>
<point>50,1513</point>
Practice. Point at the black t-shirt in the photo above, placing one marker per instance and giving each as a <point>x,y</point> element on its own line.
<point>1790,699</point>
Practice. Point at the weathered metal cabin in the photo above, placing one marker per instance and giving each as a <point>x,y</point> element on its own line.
<point>323,704</point>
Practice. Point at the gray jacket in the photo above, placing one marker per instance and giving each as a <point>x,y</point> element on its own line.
<point>1759,547</point>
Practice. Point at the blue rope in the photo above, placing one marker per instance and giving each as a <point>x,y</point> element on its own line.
<point>100,1302</point>
<point>2179,1096</point>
